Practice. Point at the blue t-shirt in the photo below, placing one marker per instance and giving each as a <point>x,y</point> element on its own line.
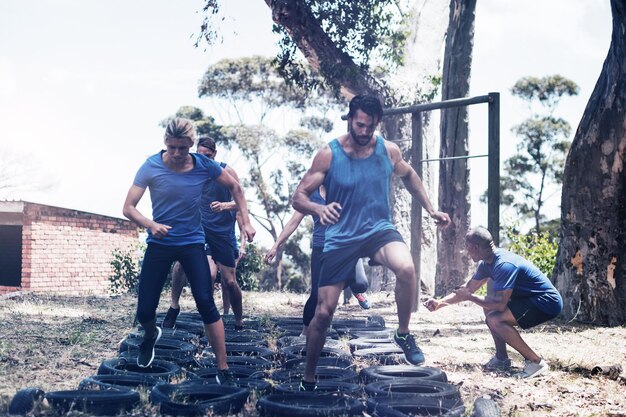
<point>361,187</point>
<point>319,229</point>
<point>512,272</point>
<point>176,197</point>
<point>219,223</point>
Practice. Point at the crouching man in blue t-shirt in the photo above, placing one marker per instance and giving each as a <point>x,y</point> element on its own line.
<point>520,295</point>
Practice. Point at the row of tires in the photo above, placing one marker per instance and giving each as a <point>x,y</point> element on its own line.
<point>391,390</point>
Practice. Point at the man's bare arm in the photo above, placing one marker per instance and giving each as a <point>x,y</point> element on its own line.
<point>413,184</point>
<point>312,180</point>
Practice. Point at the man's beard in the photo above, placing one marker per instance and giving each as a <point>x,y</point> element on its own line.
<point>361,140</point>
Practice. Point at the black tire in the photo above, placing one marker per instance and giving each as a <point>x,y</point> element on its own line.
<point>256,351</point>
<point>378,320</point>
<point>165,348</point>
<point>25,400</point>
<point>309,405</point>
<point>328,362</point>
<point>192,326</point>
<point>386,334</point>
<point>322,374</point>
<point>428,392</point>
<point>258,386</point>
<point>98,403</point>
<point>178,334</point>
<point>185,362</point>
<point>390,354</point>
<point>327,386</point>
<point>380,373</point>
<point>121,382</point>
<point>198,399</point>
<point>406,407</point>
<point>159,369</point>
<point>293,352</point>
<point>286,341</point>
<point>368,343</point>
<point>238,371</point>
<point>255,362</point>
<point>485,407</point>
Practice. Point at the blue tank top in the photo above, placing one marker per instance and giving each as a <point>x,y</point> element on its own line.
<point>319,230</point>
<point>361,186</point>
<point>176,197</point>
<point>223,222</point>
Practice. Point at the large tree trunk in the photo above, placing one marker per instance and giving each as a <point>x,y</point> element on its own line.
<point>454,186</point>
<point>590,270</point>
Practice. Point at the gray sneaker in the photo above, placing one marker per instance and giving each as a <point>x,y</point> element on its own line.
<point>532,369</point>
<point>226,377</point>
<point>496,364</point>
<point>146,350</point>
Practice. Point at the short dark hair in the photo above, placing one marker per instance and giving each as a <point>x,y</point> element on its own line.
<point>479,236</point>
<point>367,103</point>
<point>207,142</point>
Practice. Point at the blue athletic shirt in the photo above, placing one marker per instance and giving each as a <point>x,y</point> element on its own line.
<point>176,197</point>
<point>319,229</point>
<point>221,223</point>
<point>361,187</point>
<point>510,271</point>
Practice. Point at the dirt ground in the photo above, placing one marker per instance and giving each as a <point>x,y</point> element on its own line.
<point>54,342</point>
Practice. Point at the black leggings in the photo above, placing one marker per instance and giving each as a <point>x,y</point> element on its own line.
<point>156,265</point>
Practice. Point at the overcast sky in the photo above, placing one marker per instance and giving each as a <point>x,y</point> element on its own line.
<point>85,83</point>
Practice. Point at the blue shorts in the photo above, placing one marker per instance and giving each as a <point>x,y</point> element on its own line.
<point>527,314</point>
<point>220,248</point>
<point>339,265</point>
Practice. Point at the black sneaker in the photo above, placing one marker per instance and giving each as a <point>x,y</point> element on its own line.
<point>225,377</point>
<point>170,318</point>
<point>146,350</point>
<point>238,327</point>
<point>307,386</point>
<point>412,352</point>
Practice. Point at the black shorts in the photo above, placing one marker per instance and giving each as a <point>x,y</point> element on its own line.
<point>527,314</point>
<point>220,248</point>
<point>338,265</point>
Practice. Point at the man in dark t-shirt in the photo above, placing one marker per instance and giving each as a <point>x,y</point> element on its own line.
<point>519,294</point>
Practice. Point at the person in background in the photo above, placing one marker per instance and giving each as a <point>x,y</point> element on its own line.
<point>360,283</point>
<point>175,179</point>
<point>521,295</point>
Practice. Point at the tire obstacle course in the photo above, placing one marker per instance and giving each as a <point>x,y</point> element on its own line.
<point>268,360</point>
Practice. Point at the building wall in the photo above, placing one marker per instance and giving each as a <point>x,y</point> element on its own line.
<point>69,252</point>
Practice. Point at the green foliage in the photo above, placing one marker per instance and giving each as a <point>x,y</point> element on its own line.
<point>540,249</point>
<point>367,30</point>
<point>547,90</point>
<point>297,284</point>
<point>370,32</point>
<point>125,271</point>
<point>248,268</point>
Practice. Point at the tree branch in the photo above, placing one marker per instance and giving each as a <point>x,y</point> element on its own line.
<point>320,51</point>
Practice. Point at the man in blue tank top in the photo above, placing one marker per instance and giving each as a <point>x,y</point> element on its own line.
<point>356,171</point>
<point>519,294</point>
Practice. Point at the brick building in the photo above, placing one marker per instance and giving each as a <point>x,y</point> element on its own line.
<point>55,250</point>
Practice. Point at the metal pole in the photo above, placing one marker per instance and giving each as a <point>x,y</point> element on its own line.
<point>416,206</point>
<point>493,190</point>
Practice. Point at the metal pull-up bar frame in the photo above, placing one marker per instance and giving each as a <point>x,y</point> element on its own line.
<point>493,187</point>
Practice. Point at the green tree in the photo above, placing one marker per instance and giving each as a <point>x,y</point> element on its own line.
<point>252,90</point>
<point>544,141</point>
